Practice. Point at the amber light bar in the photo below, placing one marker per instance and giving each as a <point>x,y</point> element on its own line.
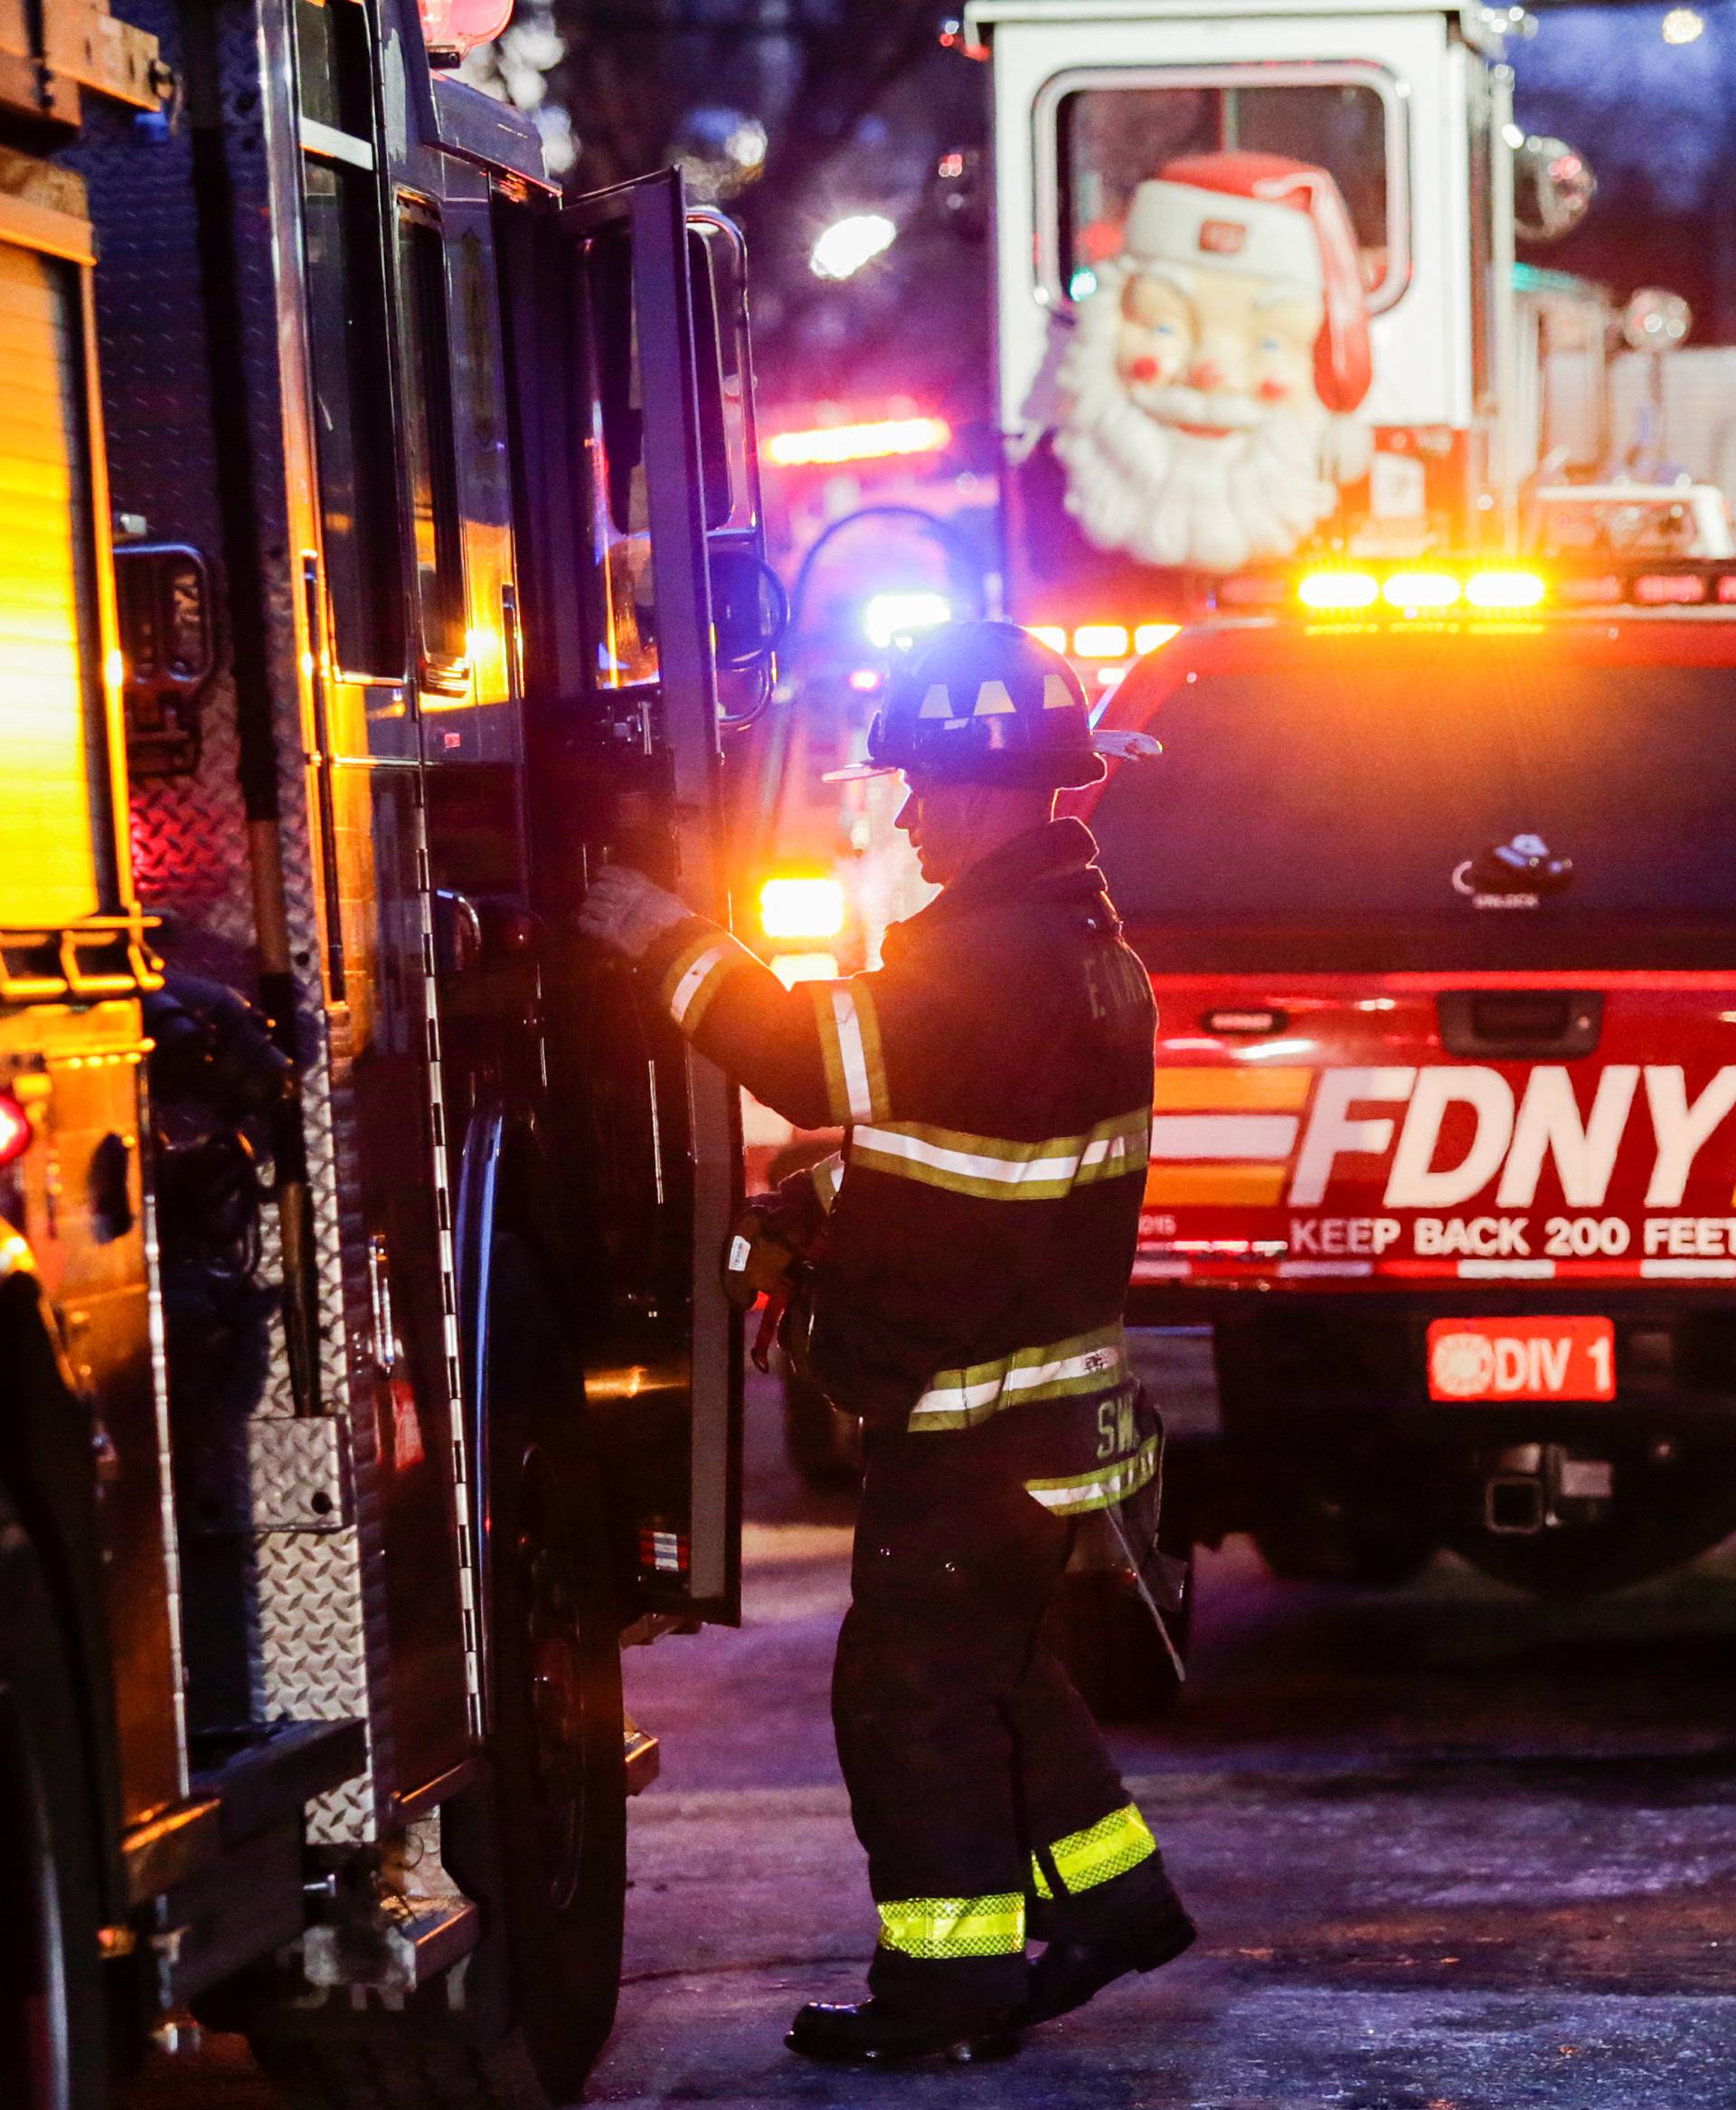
<point>1413,590</point>
<point>1104,641</point>
<point>822,445</point>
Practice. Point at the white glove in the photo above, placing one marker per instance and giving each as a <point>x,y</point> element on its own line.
<point>625,911</point>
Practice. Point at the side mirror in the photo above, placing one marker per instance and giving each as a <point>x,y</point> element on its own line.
<point>749,609</point>
<point>168,650</point>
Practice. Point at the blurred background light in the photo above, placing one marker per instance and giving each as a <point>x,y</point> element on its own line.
<point>893,615</point>
<point>850,243</point>
<point>869,442</point>
<point>801,908</point>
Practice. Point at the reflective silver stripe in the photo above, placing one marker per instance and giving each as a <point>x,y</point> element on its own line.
<point>1089,1362</point>
<point>712,960</point>
<point>853,1054</point>
<point>1097,1491</point>
<point>996,1166</point>
<point>900,1143</point>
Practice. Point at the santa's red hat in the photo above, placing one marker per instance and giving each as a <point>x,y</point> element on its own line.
<point>1269,217</point>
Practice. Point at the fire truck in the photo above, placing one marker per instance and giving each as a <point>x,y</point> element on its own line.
<point>1486,416</point>
<point>1428,884</point>
<point>382,555</point>
<point>1444,949</point>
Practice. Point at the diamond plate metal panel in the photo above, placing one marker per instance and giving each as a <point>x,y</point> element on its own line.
<point>294,1471</point>
<point>312,1655</point>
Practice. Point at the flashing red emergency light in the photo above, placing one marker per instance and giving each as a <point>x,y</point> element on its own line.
<point>1668,589</point>
<point>824,445</point>
<point>14,1129</point>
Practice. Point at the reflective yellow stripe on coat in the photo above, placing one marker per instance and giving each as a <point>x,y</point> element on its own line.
<point>695,976</point>
<point>960,1400</point>
<point>1099,1488</point>
<point>994,1167</point>
<point>855,1072</point>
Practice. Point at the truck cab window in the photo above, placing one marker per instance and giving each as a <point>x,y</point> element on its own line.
<point>427,427</point>
<point>347,319</point>
<point>333,65</point>
<point>1112,132</point>
<point>623,578</point>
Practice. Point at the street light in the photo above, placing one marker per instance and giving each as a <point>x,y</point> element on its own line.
<point>849,243</point>
<point>1683,25</point>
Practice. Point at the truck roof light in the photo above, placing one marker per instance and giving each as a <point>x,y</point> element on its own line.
<point>890,615</point>
<point>791,968</point>
<point>810,907</point>
<point>1660,588</point>
<point>1151,637</point>
<point>1420,590</point>
<point>1505,589</point>
<point>1100,640</point>
<point>14,1129</point>
<point>1251,590</point>
<point>1050,634</point>
<point>1604,587</point>
<point>822,445</point>
<point>1337,590</point>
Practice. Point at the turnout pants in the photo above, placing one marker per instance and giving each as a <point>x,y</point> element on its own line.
<point>980,1786</point>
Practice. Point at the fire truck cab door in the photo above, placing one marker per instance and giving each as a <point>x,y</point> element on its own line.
<point>618,379</point>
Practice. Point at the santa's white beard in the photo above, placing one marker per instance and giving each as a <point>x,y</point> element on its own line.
<point>1167,496</point>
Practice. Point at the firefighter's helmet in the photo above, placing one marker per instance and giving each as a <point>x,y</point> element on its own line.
<point>982,703</point>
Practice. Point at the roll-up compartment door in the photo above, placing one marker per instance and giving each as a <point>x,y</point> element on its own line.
<point>55,866</point>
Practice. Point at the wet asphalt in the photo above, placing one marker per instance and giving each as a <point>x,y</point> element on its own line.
<point>1451,1849</point>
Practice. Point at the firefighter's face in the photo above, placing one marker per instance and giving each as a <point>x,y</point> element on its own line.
<point>940,821</point>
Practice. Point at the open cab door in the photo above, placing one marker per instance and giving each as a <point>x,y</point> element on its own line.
<point>633,479</point>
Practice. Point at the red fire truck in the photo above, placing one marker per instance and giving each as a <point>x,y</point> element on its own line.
<point>1431,886</point>
<point>376,526</point>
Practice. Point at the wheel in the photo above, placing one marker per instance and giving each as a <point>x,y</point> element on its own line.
<point>1317,1549</point>
<point>53,2027</point>
<point>1102,1629</point>
<point>539,1843</point>
<point>823,1445</point>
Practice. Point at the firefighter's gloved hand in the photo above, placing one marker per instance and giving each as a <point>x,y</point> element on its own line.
<point>626,911</point>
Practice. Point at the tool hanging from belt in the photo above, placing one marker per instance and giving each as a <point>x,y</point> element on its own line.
<point>769,1262</point>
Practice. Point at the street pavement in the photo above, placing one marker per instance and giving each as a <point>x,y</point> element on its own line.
<point>1450,1849</point>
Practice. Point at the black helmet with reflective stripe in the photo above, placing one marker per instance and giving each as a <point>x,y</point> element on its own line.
<point>982,703</point>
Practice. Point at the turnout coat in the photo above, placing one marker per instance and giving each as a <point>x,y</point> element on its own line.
<point>994,1080</point>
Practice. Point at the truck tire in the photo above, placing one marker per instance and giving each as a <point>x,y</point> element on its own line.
<point>823,1445</point>
<point>53,2027</point>
<point>539,1842</point>
<point>1102,1630</point>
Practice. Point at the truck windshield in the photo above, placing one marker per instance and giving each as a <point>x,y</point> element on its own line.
<point>1116,127</point>
<point>1344,814</point>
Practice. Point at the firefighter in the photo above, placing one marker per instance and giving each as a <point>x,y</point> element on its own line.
<point>994,1082</point>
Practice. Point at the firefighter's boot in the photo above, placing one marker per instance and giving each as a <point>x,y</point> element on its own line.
<point>870,2033</point>
<point>1069,1973</point>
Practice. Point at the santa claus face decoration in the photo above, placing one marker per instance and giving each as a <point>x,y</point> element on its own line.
<point>1207,391</point>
